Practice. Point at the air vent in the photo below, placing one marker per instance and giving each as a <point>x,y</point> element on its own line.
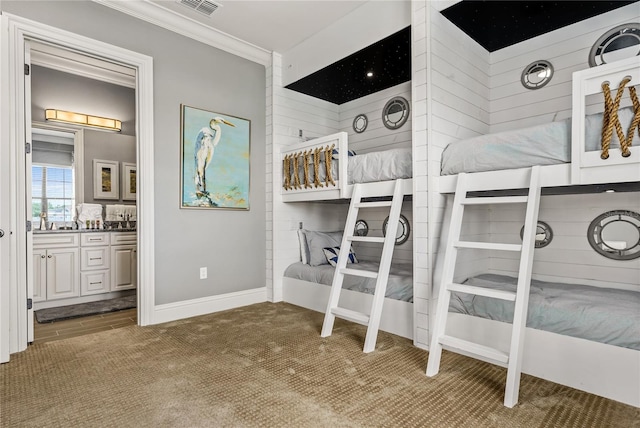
<point>205,7</point>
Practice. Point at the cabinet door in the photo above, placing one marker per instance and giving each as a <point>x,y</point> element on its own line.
<point>39,275</point>
<point>63,273</point>
<point>124,267</point>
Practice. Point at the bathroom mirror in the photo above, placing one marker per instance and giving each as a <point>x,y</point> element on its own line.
<point>618,43</point>
<point>537,74</point>
<point>395,113</point>
<point>360,123</point>
<point>544,234</point>
<point>616,234</point>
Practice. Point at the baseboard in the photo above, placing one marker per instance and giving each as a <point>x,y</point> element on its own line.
<point>206,305</point>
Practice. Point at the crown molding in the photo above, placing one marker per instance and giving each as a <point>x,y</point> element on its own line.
<point>162,17</point>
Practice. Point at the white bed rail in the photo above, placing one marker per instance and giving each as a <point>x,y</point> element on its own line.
<point>587,167</point>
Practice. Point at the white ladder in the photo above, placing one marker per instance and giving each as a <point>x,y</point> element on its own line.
<point>371,320</point>
<point>512,360</point>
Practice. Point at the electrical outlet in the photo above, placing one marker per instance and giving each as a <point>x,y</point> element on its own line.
<point>203,273</point>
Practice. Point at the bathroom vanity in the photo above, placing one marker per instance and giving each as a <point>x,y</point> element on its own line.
<point>82,265</point>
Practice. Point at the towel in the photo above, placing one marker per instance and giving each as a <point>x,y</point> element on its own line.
<point>119,212</point>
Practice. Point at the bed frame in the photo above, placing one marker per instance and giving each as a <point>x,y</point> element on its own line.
<point>326,190</point>
<point>397,316</point>
<point>606,370</point>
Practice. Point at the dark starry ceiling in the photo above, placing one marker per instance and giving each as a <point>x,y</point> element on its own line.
<point>498,24</point>
<point>389,60</point>
<point>493,24</point>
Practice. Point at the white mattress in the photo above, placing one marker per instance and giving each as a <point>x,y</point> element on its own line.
<point>399,286</point>
<point>545,144</point>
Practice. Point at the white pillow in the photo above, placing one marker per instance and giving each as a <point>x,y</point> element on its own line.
<point>316,241</point>
<point>332,254</point>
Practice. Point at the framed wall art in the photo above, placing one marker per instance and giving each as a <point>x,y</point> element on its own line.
<point>214,160</point>
<point>106,183</point>
<point>129,175</point>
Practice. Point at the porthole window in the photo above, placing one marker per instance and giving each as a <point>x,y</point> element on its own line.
<point>616,234</point>
<point>544,234</point>
<point>537,74</point>
<point>618,43</point>
<point>360,123</point>
<point>395,113</point>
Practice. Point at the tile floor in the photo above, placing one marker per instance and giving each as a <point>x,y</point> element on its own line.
<point>65,329</point>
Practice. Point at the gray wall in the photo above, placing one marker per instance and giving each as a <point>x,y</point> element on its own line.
<point>230,243</point>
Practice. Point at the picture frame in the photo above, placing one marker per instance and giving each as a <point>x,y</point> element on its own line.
<point>214,160</point>
<point>106,184</point>
<point>129,181</point>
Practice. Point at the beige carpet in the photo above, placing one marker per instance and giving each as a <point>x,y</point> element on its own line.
<point>266,366</point>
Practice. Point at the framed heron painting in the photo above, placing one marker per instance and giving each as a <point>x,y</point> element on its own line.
<point>214,160</point>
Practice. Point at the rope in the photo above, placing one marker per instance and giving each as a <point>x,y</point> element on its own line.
<point>328,152</point>
<point>306,168</point>
<point>296,178</point>
<point>635,123</point>
<point>610,120</point>
<point>316,167</point>
<point>286,169</point>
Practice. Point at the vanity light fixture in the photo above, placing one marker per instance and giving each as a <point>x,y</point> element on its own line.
<point>83,119</point>
<point>369,73</point>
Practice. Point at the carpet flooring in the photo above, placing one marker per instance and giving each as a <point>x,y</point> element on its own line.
<point>266,365</point>
<point>85,309</point>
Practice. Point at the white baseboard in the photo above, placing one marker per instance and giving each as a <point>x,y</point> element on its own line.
<point>206,305</point>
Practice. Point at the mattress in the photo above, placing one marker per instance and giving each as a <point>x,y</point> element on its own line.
<point>603,315</point>
<point>399,286</point>
<point>545,144</point>
<point>368,167</point>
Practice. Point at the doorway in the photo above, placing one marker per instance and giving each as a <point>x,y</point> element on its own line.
<point>15,128</point>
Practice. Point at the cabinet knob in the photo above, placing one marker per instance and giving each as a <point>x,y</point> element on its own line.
<point>1,233</point>
<point>49,256</point>
<point>42,256</point>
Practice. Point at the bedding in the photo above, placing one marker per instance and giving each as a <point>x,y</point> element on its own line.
<point>369,167</point>
<point>545,144</point>
<point>603,315</point>
<point>399,286</point>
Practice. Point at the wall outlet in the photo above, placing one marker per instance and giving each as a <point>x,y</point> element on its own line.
<point>203,273</point>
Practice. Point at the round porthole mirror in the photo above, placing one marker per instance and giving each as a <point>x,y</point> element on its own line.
<point>360,123</point>
<point>402,233</point>
<point>395,113</point>
<point>618,43</point>
<point>537,74</point>
<point>616,234</point>
<point>544,234</point>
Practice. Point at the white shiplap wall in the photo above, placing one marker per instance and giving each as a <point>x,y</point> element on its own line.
<point>458,108</point>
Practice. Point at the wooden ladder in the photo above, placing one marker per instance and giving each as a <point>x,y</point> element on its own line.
<point>513,359</point>
<point>371,320</point>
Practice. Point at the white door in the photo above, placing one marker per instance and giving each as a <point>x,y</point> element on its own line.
<point>27,169</point>
<point>5,218</point>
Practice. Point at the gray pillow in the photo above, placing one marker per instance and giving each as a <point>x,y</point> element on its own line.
<point>316,241</point>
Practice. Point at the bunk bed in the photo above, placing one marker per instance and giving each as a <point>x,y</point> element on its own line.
<point>600,366</point>
<point>324,169</point>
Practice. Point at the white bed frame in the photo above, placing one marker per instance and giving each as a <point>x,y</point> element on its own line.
<point>609,371</point>
<point>397,316</point>
<point>341,190</point>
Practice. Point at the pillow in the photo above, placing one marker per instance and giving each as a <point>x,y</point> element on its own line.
<point>334,153</point>
<point>332,255</point>
<point>316,241</point>
<point>304,249</point>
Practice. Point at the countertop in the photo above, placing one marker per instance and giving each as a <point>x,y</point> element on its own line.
<point>44,232</point>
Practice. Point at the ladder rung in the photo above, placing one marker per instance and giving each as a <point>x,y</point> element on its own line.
<point>350,315</point>
<point>365,239</point>
<point>359,272</point>
<point>495,200</point>
<point>488,246</point>
<point>482,291</point>
<point>457,344</point>
<point>377,204</point>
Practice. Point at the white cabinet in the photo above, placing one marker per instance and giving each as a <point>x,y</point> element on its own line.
<point>95,265</point>
<point>56,267</point>
<point>124,267</point>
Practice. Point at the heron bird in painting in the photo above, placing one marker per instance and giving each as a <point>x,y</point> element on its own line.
<point>206,142</point>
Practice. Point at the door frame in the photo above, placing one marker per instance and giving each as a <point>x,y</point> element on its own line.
<point>15,30</point>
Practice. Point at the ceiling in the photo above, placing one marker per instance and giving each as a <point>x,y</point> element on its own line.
<point>273,25</point>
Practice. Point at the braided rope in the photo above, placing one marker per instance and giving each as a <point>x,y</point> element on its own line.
<point>286,169</point>
<point>296,178</point>
<point>610,118</point>
<point>328,151</point>
<point>316,167</point>
<point>635,123</point>
<point>306,168</point>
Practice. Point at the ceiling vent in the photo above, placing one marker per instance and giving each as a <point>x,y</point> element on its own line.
<point>205,7</point>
